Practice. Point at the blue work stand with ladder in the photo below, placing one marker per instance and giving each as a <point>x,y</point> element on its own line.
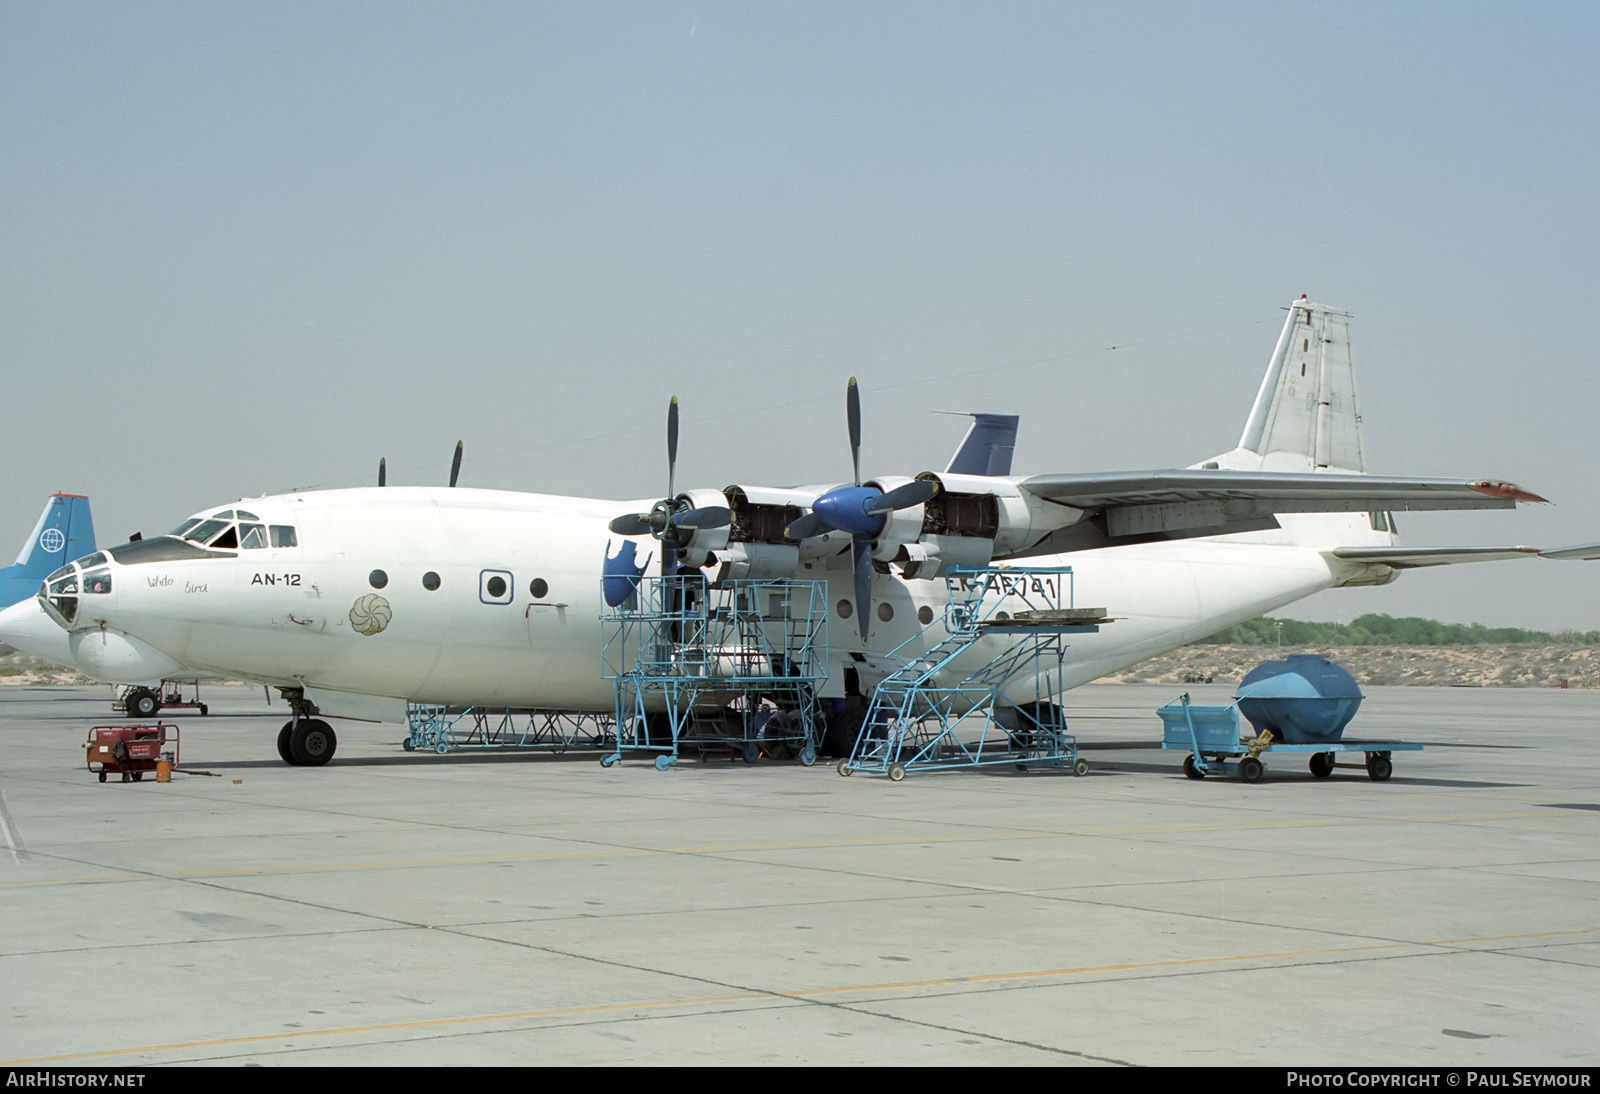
<point>1010,628</point>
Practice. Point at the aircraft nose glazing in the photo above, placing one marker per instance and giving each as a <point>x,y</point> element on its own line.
<point>71,594</point>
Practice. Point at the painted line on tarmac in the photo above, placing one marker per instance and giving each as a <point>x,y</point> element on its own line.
<point>798,995</point>
<point>715,849</point>
<point>13,837</point>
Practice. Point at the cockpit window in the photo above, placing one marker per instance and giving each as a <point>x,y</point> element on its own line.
<point>63,572</point>
<point>90,561</point>
<point>65,586</point>
<point>205,530</point>
<point>99,581</point>
<point>221,533</point>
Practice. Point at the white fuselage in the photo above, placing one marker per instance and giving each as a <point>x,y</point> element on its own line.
<point>514,619</point>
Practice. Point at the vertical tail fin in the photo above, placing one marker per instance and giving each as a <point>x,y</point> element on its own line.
<point>987,447</point>
<point>65,531</point>
<point>1305,416</point>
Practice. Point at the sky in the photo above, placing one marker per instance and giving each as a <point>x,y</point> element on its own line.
<point>257,246</point>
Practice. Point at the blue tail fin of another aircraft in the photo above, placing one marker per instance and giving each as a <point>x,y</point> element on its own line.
<point>65,531</point>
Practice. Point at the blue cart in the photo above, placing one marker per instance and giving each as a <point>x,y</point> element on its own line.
<point>1210,734</point>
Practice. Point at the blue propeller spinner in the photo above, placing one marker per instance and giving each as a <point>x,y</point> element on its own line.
<point>860,511</point>
<point>665,520</point>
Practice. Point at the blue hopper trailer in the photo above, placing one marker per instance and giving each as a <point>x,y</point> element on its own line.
<point>1210,734</point>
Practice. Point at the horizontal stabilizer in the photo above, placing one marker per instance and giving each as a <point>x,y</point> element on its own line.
<point>1587,551</point>
<point>1405,558</point>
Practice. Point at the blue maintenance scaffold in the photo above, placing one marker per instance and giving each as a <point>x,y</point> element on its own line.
<point>931,714</point>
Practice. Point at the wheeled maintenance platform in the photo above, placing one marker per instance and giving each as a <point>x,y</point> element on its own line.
<point>732,667</point>
<point>1210,734</point>
<point>930,715</point>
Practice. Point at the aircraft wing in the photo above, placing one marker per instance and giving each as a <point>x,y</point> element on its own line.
<point>1129,506</point>
<point>1588,551</point>
<point>1405,558</point>
<point>1273,492</point>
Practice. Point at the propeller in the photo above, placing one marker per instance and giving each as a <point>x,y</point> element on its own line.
<point>859,510</point>
<point>671,514</point>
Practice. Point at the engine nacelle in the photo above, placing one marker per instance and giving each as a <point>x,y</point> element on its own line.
<point>755,543</point>
<point>703,541</point>
<point>755,560</point>
<point>901,527</point>
<point>973,520</point>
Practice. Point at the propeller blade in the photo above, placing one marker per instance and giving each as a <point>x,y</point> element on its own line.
<point>710,516</point>
<point>852,413</point>
<point>633,524</point>
<point>904,497</point>
<point>811,524</point>
<point>861,558</point>
<point>383,472</point>
<point>672,443</point>
<point>455,465</point>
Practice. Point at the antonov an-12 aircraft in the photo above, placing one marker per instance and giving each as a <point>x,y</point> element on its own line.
<point>355,601</point>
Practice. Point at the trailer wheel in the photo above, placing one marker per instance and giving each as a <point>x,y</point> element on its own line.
<point>1322,764</point>
<point>1190,769</point>
<point>102,776</point>
<point>1250,769</point>
<point>897,771</point>
<point>1379,766</point>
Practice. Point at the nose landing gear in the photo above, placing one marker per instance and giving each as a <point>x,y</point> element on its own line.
<point>307,742</point>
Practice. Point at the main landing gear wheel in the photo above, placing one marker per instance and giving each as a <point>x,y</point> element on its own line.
<point>1190,769</point>
<point>1251,769</point>
<point>312,742</point>
<point>142,703</point>
<point>1322,764</point>
<point>1379,766</point>
<point>283,743</point>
